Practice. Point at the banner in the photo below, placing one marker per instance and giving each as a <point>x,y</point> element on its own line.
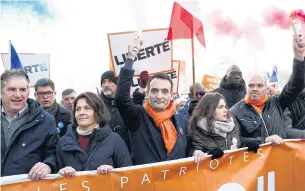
<point>174,75</point>
<point>210,82</point>
<point>272,168</point>
<point>155,54</point>
<point>37,66</point>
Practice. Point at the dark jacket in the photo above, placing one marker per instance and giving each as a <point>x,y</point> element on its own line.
<point>297,111</point>
<point>62,116</point>
<point>294,113</point>
<point>206,141</point>
<point>105,148</point>
<point>184,110</point>
<point>232,93</point>
<point>116,122</point>
<point>147,144</point>
<point>35,141</point>
<point>272,119</point>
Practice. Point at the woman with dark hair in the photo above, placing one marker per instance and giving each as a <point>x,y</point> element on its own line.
<point>212,129</point>
<point>89,143</point>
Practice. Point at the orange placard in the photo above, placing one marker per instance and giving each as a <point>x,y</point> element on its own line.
<point>272,168</point>
<point>210,82</point>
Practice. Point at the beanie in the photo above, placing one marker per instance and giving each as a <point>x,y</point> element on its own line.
<point>109,75</point>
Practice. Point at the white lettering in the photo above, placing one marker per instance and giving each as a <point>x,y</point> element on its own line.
<point>38,188</point>
<point>260,152</point>
<point>61,187</point>
<point>232,186</point>
<point>124,180</point>
<point>271,181</point>
<point>83,184</point>
<point>260,183</point>
<point>164,176</point>
<point>231,157</point>
<point>182,169</point>
<point>145,178</point>
<point>214,167</point>
<point>245,157</point>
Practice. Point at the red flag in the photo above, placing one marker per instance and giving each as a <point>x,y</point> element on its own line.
<point>183,25</point>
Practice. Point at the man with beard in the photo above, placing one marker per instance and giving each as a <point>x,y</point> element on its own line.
<point>116,123</point>
<point>45,95</point>
<point>232,86</point>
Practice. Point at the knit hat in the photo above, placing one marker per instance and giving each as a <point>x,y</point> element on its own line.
<point>109,75</point>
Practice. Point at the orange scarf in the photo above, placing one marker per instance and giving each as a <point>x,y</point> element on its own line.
<point>258,105</point>
<point>162,120</point>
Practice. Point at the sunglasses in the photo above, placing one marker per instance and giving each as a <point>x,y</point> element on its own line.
<point>197,94</point>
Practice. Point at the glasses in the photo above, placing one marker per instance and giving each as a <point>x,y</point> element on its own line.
<point>48,94</point>
<point>197,94</point>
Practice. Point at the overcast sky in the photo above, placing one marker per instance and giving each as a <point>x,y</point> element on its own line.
<point>74,32</point>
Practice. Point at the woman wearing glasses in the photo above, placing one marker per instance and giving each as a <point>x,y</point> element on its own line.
<point>89,143</point>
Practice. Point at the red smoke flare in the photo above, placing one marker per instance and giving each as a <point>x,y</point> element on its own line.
<point>250,29</point>
<point>299,15</point>
<point>224,26</point>
<point>277,17</point>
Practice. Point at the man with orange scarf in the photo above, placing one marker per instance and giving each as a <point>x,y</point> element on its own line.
<point>157,133</point>
<point>261,117</point>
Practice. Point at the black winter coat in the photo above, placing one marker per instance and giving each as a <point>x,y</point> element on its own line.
<point>105,148</point>
<point>272,120</point>
<point>147,144</point>
<point>35,141</point>
<point>232,93</point>
<point>116,122</point>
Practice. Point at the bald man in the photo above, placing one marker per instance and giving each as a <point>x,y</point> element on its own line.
<point>261,117</point>
<point>232,86</point>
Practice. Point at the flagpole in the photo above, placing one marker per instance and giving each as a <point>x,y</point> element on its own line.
<point>193,64</point>
<point>9,54</point>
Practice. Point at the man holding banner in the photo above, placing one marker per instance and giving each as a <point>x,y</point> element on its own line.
<point>261,117</point>
<point>28,133</point>
<point>156,132</point>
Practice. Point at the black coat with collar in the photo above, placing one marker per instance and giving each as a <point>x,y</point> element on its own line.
<point>147,144</point>
<point>233,94</point>
<point>105,148</point>
<point>34,141</point>
<point>116,122</point>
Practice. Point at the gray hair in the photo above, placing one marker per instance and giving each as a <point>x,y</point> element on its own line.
<point>8,74</point>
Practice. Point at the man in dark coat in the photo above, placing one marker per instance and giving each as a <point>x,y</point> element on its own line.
<point>116,123</point>
<point>232,86</point>
<point>28,133</point>
<point>45,94</point>
<point>261,117</point>
<point>156,132</point>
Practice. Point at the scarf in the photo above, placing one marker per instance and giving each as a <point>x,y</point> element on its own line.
<point>53,110</point>
<point>162,120</point>
<point>221,128</point>
<point>85,132</point>
<point>258,105</point>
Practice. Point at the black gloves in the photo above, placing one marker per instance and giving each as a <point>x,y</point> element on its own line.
<point>216,153</point>
<point>252,146</point>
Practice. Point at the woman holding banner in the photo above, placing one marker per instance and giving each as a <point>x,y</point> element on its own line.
<point>89,143</point>
<point>213,130</point>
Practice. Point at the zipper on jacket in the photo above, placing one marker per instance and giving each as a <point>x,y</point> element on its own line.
<point>248,121</point>
<point>260,115</point>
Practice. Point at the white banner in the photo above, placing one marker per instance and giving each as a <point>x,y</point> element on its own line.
<point>37,66</point>
<point>174,75</point>
<point>155,55</point>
